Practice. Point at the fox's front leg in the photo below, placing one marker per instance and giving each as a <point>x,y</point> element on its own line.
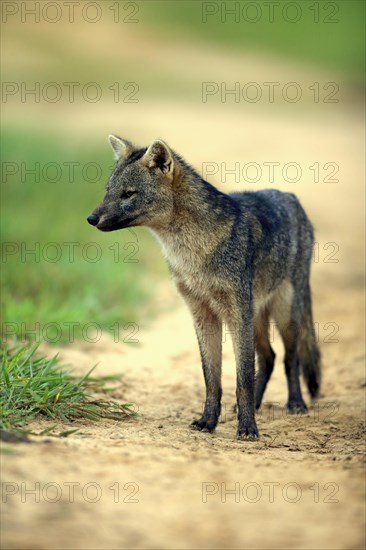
<point>242,329</point>
<point>209,334</point>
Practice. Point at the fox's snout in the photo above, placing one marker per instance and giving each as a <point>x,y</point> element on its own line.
<point>93,219</point>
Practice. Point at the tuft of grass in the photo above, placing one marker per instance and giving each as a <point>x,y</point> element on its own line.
<point>32,385</point>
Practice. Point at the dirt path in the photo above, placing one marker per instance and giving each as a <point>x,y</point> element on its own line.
<point>160,485</point>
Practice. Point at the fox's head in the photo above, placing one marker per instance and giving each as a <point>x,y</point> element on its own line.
<point>139,191</point>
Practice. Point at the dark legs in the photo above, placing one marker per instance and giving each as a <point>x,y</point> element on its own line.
<point>290,337</point>
<point>265,355</point>
<point>209,334</point>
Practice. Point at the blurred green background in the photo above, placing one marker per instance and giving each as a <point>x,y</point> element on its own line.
<point>149,61</point>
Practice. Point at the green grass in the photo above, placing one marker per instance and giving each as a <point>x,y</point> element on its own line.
<point>47,290</point>
<point>34,386</point>
<point>327,34</point>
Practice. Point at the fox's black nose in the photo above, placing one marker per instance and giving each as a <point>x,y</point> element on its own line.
<point>93,219</point>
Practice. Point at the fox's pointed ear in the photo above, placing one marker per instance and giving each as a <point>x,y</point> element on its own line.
<point>121,147</point>
<point>159,156</point>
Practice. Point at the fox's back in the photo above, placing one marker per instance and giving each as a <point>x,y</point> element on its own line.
<point>281,234</point>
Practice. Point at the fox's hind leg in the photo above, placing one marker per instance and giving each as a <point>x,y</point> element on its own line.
<point>287,314</point>
<point>265,355</point>
<point>295,404</point>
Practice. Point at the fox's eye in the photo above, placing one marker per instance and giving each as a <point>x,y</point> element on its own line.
<point>127,194</point>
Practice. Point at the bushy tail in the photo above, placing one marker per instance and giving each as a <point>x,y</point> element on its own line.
<point>309,353</point>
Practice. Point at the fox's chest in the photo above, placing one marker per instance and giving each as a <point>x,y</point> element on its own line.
<point>183,261</point>
<point>205,290</point>
<point>190,274</point>
<point>194,275</point>
<point>199,283</point>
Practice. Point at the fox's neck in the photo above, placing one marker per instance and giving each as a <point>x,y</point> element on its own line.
<point>202,219</point>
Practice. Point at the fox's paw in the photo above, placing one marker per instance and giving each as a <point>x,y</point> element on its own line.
<point>248,432</point>
<point>204,424</point>
<point>297,406</point>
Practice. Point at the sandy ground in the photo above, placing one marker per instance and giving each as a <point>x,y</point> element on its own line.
<point>154,483</point>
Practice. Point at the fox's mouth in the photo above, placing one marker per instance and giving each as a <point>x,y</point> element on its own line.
<point>108,226</point>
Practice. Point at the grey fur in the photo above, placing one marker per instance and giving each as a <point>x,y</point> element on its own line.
<point>241,259</point>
